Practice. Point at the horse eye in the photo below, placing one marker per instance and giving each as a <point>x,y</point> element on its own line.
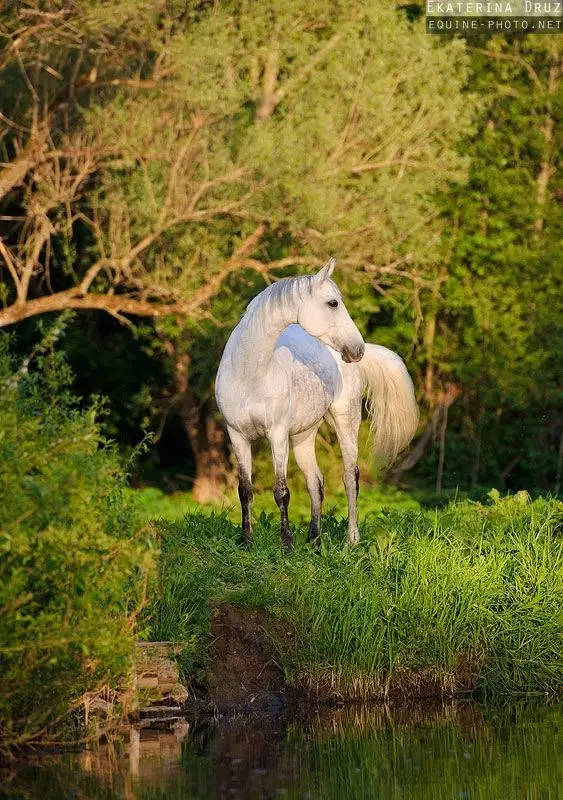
<point>333,303</point>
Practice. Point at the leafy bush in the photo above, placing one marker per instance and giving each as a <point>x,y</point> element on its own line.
<point>74,558</point>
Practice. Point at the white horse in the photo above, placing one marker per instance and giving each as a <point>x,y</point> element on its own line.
<point>294,359</point>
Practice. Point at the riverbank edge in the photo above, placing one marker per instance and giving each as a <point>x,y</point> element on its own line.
<point>244,672</point>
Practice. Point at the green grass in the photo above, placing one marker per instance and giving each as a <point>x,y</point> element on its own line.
<point>467,595</point>
<point>155,504</point>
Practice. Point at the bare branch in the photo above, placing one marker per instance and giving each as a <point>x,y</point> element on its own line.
<point>272,97</point>
<point>31,155</point>
<point>190,216</point>
<point>12,50</point>
<point>118,304</point>
<point>269,97</point>
<point>12,270</point>
<point>237,260</point>
<point>230,178</point>
<point>11,124</point>
<point>392,162</point>
<point>304,73</point>
<point>91,274</point>
<point>131,83</point>
<point>39,239</point>
<point>515,59</point>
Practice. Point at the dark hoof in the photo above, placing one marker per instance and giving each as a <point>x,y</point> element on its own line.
<point>314,537</point>
<point>245,540</point>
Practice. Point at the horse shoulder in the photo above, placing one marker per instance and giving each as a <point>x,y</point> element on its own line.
<point>349,398</point>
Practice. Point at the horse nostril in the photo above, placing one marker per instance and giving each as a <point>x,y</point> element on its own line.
<point>349,355</point>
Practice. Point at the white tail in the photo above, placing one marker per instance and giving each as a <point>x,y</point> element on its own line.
<point>390,402</point>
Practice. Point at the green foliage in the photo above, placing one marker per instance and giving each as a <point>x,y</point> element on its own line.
<point>498,328</point>
<point>471,593</point>
<point>74,558</point>
<point>428,166</point>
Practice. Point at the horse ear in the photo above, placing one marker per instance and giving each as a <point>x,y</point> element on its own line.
<point>327,270</point>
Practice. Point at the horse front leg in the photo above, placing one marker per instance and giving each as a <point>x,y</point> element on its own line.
<point>304,451</point>
<point>279,443</point>
<point>243,454</point>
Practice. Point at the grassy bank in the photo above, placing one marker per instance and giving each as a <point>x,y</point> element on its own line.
<point>468,597</point>
<point>156,505</point>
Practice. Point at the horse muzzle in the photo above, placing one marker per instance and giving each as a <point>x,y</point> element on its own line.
<point>350,355</point>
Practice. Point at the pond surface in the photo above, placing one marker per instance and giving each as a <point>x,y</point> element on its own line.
<point>456,751</point>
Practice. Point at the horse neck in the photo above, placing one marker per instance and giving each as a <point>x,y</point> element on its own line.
<point>260,330</point>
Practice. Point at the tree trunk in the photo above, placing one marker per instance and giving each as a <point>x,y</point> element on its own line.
<point>443,431</point>
<point>477,456</point>
<point>559,464</point>
<point>547,169</point>
<point>204,433</point>
<point>415,453</point>
<point>446,399</point>
<point>507,469</point>
<point>429,335</point>
<point>210,469</point>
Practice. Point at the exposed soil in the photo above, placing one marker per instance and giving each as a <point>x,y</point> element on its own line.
<point>403,686</point>
<point>243,672</point>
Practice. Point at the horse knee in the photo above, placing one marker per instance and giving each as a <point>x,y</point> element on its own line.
<point>315,486</point>
<point>281,494</point>
<point>245,491</point>
<point>321,487</point>
<point>352,480</point>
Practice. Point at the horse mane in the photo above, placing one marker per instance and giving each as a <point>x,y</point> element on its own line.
<point>284,294</point>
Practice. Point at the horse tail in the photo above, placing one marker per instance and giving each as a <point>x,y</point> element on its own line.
<point>390,402</point>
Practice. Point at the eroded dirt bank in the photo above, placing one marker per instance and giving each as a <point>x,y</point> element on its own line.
<point>244,672</point>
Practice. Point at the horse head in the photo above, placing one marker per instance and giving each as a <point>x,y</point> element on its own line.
<point>322,313</point>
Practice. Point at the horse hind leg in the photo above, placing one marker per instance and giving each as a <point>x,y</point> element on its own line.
<point>304,450</point>
<point>243,454</point>
<point>279,443</point>
<point>347,428</point>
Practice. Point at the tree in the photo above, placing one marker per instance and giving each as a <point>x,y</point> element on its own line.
<point>190,133</point>
<point>160,150</point>
<point>494,326</point>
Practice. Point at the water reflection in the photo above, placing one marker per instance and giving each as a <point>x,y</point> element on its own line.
<point>454,751</point>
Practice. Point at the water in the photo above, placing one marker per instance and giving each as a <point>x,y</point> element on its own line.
<point>456,751</point>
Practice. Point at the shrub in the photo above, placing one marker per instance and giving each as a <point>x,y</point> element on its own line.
<point>74,559</point>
